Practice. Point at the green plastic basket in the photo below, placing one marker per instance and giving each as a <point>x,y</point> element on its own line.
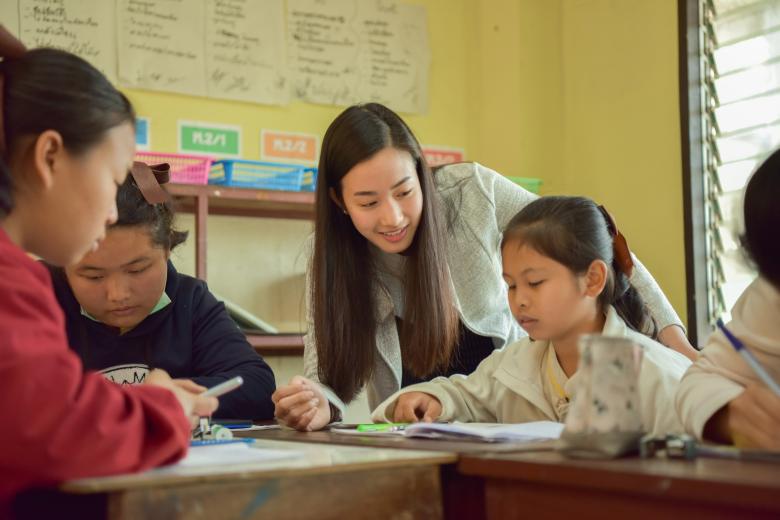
<point>528,183</point>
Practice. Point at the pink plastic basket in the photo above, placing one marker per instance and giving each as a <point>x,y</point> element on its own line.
<point>185,169</point>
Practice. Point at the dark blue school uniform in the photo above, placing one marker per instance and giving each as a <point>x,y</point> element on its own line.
<point>193,337</point>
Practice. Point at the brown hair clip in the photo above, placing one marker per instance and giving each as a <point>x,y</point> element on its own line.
<point>622,253</point>
<point>149,180</point>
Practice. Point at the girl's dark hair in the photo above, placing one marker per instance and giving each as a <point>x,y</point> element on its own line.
<point>342,272</point>
<point>133,210</point>
<point>574,232</point>
<point>762,219</point>
<point>48,89</point>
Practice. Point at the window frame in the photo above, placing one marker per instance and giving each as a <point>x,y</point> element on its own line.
<point>695,232</point>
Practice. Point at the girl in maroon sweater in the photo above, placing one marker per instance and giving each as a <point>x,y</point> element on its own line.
<point>66,143</point>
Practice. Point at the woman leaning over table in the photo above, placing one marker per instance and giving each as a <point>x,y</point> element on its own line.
<point>405,278</point>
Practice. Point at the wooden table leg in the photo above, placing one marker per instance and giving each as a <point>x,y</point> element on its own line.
<point>464,495</point>
<point>201,223</point>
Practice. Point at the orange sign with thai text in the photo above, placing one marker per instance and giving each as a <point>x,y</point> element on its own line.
<point>288,146</point>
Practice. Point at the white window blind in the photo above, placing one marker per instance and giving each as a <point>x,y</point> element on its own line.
<point>740,64</point>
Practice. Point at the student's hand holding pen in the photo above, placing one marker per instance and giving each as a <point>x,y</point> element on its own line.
<point>416,407</point>
<point>301,405</point>
<point>754,418</point>
<point>187,392</point>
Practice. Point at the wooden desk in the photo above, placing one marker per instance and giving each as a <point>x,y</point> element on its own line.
<point>547,484</point>
<point>504,481</point>
<point>326,482</point>
<point>463,495</point>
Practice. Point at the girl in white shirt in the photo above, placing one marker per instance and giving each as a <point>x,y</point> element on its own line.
<point>721,398</point>
<point>567,268</point>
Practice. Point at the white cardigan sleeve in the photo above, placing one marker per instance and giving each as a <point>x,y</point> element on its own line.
<point>720,374</point>
<point>310,364</point>
<point>463,398</point>
<point>655,299</point>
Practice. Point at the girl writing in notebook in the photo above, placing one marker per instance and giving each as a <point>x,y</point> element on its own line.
<point>721,398</point>
<point>405,280</point>
<point>567,271</point>
<point>128,310</point>
<point>66,143</point>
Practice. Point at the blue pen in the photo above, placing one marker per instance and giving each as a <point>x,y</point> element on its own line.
<point>750,359</point>
<point>214,442</point>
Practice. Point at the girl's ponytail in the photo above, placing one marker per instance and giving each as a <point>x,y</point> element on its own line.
<point>631,307</point>
<point>624,297</point>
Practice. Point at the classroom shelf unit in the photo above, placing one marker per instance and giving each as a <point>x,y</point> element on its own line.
<point>204,199</point>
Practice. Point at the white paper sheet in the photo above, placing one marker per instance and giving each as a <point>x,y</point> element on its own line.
<point>230,455</point>
<point>323,50</point>
<point>245,51</point>
<point>83,27</point>
<point>349,51</point>
<point>161,45</point>
<point>394,55</point>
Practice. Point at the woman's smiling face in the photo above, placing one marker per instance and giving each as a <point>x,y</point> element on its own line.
<point>383,198</point>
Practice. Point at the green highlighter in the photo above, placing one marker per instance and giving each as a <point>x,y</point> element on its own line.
<point>381,427</point>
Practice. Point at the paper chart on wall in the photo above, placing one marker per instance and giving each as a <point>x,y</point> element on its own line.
<point>161,45</point>
<point>245,51</point>
<point>83,27</point>
<point>348,51</point>
<point>323,50</point>
<point>328,51</point>
<point>395,55</point>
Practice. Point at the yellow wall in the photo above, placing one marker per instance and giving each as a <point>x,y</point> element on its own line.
<point>581,93</point>
<point>584,94</point>
<point>515,113</point>
<point>621,139</point>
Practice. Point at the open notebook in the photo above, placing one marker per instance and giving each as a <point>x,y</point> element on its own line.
<point>481,432</point>
<point>487,432</point>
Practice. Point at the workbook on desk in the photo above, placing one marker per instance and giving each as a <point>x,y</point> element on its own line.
<point>481,432</point>
<point>487,432</point>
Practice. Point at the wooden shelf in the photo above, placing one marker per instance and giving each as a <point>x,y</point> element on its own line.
<point>277,344</point>
<point>210,199</point>
<point>244,201</point>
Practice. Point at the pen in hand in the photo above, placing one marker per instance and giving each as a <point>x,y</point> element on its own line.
<point>751,360</point>
<point>224,387</point>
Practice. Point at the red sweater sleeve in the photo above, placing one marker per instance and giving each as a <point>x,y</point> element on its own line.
<point>60,423</point>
